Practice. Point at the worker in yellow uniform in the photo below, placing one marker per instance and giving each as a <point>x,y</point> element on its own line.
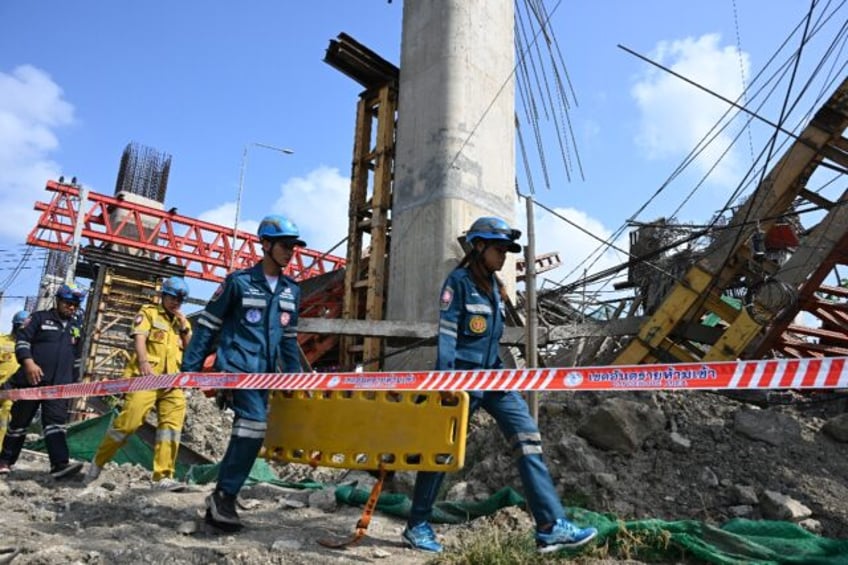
<point>160,332</point>
<point>8,366</point>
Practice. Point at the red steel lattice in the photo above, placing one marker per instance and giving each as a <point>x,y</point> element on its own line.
<point>203,248</point>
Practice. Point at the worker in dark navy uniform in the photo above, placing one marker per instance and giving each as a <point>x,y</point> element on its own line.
<point>253,315</point>
<point>471,322</point>
<point>48,347</point>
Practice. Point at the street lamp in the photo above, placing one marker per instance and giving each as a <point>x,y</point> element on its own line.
<point>284,151</point>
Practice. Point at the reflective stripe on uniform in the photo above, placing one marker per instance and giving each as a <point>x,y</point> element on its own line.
<point>448,328</point>
<point>531,449</point>
<point>203,322</point>
<point>479,308</point>
<point>116,435</point>
<point>525,436</point>
<point>54,429</point>
<point>168,435</point>
<point>249,429</point>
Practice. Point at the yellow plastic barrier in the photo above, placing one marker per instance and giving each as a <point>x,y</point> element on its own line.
<point>403,431</point>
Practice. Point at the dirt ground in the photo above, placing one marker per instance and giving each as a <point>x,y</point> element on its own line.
<point>120,519</point>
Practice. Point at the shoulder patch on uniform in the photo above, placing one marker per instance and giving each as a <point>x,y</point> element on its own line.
<point>218,292</point>
<point>138,319</point>
<point>446,298</point>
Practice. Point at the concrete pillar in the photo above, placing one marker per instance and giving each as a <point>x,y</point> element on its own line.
<point>455,155</point>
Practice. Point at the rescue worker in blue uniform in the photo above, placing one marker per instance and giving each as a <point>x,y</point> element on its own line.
<point>471,323</point>
<point>253,315</point>
<point>8,366</point>
<point>48,347</point>
<point>160,334</point>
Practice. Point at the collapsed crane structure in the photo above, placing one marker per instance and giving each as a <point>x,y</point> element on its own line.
<point>738,298</point>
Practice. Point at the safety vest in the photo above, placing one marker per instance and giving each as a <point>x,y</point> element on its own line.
<point>8,362</point>
<point>164,345</point>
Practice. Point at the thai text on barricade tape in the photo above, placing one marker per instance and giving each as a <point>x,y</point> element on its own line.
<point>827,373</point>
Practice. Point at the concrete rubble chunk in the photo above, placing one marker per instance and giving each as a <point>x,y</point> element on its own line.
<point>324,499</point>
<point>837,428</point>
<point>621,425</point>
<point>767,426</point>
<point>777,506</point>
<point>744,494</point>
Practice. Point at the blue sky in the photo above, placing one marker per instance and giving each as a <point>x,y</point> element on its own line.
<point>201,80</point>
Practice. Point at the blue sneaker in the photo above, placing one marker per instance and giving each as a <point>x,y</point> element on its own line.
<point>422,537</point>
<point>564,534</point>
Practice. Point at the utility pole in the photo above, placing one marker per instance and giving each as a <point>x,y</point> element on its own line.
<point>532,312</point>
<point>70,274</point>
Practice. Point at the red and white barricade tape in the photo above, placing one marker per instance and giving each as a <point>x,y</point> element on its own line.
<point>825,373</point>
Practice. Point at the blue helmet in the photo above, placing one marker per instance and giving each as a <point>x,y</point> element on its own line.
<point>19,318</point>
<point>176,287</point>
<point>70,292</point>
<point>279,227</point>
<point>494,230</point>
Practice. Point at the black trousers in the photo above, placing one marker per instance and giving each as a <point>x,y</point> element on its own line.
<point>54,416</point>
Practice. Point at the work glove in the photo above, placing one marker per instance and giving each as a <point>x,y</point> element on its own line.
<point>223,399</point>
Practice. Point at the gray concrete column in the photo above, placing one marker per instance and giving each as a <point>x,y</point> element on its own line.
<point>455,154</point>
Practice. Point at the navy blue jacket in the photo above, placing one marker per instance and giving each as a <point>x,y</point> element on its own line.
<point>470,324</point>
<point>257,328</point>
<point>54,344</point>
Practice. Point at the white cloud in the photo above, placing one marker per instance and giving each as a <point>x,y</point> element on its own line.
<point>318,204</point>
<point>224,215</point>
<point>675,115</point>
<point>572,243</point>
<point>31,109</point>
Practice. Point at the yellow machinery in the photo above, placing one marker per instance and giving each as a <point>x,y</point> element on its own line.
<point>664,337</point>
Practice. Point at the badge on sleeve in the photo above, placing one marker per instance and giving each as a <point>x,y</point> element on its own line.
<point>446,298</point>
<point>138,320</point>
<point>218,292</point>
<point>477,324</point>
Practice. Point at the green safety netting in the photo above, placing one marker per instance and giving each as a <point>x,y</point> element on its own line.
<point>737,542</point>
<point>84,438</point>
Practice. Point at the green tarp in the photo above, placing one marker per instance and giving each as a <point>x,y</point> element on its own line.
<point>737,542</point>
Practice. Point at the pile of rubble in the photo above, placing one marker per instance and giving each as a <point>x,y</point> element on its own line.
<point>641,455</point>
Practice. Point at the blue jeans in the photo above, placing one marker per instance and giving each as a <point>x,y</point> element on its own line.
<point>251,408</point>
<point>513,417</point>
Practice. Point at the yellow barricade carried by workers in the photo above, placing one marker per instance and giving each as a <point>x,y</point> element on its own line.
<point>379,430</point>
<point>370,430</point>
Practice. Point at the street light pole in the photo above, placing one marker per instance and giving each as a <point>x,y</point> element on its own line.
<point>284,151</point>
<point>75,243</point>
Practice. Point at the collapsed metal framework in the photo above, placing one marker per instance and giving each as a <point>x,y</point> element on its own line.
<point>672,332</point>
<point>203,249</point>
